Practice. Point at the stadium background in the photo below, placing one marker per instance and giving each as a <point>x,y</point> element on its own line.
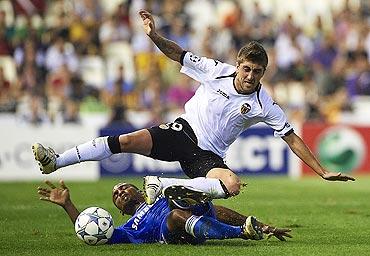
<point>74,70</point>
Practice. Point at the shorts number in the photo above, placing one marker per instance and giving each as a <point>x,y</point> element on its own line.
<point>176,126</point>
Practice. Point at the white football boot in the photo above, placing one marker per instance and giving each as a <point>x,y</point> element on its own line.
<point>251,229</point>
<point>152,188</point>
<point>46,158</point>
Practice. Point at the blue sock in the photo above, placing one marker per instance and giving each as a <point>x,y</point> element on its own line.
<point>210,228</point>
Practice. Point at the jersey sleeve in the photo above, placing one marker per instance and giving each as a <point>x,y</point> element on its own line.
<point>119,236</point>
<point>278,121</point>
<point>202,68</point>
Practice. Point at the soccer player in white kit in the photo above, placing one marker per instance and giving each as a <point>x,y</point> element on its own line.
<point>229,100</point>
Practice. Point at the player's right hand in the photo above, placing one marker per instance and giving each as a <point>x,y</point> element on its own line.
<point>279,233</point>
<point>148,22</point>
<point>337,176</point>
<point>53,194</point>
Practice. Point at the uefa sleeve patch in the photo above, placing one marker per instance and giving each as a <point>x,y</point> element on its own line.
<point>194,58</point>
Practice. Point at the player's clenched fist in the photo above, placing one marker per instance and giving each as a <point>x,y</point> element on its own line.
<point>148,22</point>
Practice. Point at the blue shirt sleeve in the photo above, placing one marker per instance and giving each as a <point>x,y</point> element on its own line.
<point>119,236</point>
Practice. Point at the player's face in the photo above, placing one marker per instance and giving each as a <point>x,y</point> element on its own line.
<point>248,76</point>
<point>125,196</point>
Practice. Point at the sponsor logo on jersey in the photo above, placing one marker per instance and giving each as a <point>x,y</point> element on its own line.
<point>223,93</point>
<point>245,108</point>
<point>139,216</point>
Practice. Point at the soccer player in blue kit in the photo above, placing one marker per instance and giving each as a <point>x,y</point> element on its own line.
<point>168,221</point>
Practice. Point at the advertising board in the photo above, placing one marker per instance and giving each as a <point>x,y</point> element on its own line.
<point>340,148</point>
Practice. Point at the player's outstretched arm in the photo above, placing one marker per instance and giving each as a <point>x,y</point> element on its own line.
<point>60,196</point>
<point>232,217</point>
<point>297,145</point>
<point>168,47</point>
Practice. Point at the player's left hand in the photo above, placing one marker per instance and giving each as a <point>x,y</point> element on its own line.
<point>53,194</point>
<point>279,233</point>
<point>337,176</point>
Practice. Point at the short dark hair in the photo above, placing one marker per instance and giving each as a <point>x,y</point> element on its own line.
<point>254,52</point>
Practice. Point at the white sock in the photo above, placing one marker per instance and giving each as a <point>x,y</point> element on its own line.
<point>211,186</point>
<point>94,150</point>
<point>190,224</point>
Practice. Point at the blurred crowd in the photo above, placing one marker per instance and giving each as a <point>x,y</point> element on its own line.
<point>60,59</point>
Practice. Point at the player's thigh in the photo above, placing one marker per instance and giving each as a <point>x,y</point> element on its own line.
<point>139,142</point>
<point>228,178</point>
<point>170,143</point>
<point>198,162</point>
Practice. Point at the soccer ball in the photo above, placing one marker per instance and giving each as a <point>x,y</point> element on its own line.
<point>94,226</point>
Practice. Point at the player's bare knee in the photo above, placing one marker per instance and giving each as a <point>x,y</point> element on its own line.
<point>136,142</point>
<point>230,181</point>
<point>126,141</point>
<point>130,143</point>
<point>232,184</point>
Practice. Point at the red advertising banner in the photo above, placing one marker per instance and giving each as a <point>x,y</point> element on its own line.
<point>340,148</point>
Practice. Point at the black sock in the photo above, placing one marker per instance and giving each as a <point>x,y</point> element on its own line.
<point>114,145</point>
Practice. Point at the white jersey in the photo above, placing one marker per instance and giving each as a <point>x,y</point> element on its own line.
<point>217,113</point>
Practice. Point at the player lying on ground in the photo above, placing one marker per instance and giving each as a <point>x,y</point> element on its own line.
<point>228,101</point>
<point>164,222</point>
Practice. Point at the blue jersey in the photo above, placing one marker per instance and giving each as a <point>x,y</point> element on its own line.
<point>148,224</point>
<point>144,226</point>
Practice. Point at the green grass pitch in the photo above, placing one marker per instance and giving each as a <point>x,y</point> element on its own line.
<point>327,218</point>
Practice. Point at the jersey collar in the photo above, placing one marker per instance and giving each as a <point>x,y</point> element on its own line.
<point>257,89</point>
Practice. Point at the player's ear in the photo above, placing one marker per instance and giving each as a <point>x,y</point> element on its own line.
<point>264,70</point>
<point>237,68</point>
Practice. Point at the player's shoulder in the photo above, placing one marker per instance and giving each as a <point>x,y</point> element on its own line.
<point>266,101</point>
<point>225,71</point>
<point>264,96</point>
<point>209,62</point>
